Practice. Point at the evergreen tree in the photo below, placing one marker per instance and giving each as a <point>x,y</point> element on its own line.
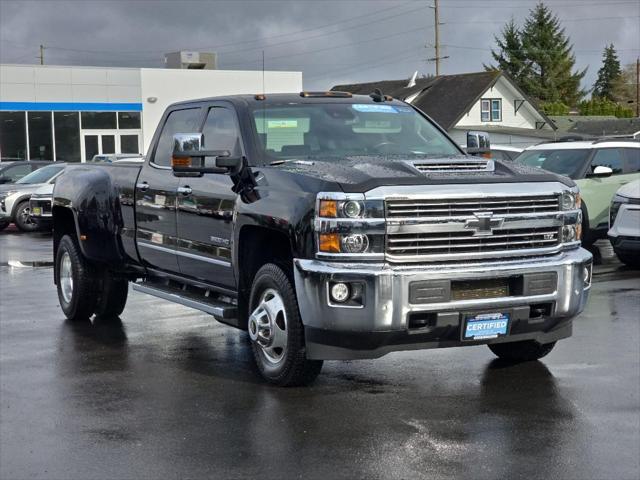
<point>608,74</point>
<point>539,57</point>
<point>509,56</point>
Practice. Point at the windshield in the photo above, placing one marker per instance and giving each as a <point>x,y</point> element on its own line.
<point>569,162</point>
<point>42,175</point>
<point>340,130</point>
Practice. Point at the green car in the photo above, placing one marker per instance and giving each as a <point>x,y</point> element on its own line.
<point>599,168</point>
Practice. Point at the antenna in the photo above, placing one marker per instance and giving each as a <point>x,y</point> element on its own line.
<point>263,92</point>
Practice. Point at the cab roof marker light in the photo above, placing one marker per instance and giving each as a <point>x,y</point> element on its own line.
<point>305,94</point>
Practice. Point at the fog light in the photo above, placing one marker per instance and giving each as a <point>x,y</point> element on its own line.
<point>586,274</point>
<point>352,209</point>
<point>340,292</point>
<point>355,243</point>
<point>569,233</point>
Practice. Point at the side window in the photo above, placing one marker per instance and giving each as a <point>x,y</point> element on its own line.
<point>221,131</point>
<point>608,157</point>
<point>633,160</point>
<point>17,172</point>
<point>178,121</point>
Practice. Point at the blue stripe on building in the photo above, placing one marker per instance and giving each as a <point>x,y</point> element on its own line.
<point>71,106</point>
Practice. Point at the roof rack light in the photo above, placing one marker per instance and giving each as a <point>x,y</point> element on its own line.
<point>326,94</point>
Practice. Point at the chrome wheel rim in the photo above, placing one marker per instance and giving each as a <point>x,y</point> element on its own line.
<point>26,216</point>
<point>268,327</point>
<point>66,277</point>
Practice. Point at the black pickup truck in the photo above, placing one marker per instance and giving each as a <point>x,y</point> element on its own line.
<point>329,226</point>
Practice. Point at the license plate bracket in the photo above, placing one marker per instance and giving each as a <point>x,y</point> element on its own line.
<point>485,326</point>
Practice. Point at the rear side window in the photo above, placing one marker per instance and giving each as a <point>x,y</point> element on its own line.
<point>178,121</point>
<point>608,157</point>
<point>633,160</point>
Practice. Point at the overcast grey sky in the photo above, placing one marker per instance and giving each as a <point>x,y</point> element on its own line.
<point>330,41</point>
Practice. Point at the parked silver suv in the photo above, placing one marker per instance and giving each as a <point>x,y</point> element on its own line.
<point>14,198</point>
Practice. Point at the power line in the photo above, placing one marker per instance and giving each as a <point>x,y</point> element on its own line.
<point>333,47</point>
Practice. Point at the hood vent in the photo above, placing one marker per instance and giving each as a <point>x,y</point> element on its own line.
<point>453,165</point>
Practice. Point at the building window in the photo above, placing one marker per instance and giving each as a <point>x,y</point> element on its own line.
<point>491,110</point>
<point>99,120</point>
<point>40,136</point>
<point>129,120</point>
<point>13,136</point>
<point>67,135</point>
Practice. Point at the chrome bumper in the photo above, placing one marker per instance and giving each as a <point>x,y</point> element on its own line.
<point>386,307</point>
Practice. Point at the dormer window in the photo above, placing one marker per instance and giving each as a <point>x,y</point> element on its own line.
<point>491,110</point>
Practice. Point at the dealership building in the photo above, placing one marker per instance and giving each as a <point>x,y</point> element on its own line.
<point>73,113</point>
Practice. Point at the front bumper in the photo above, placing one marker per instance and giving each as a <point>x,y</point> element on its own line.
<point>384,322</point>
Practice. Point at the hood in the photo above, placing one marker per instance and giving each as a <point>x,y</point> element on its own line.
<point>360,174</point>
<point>46,189</point>
<point>630,190</point>
<point>19,187</point>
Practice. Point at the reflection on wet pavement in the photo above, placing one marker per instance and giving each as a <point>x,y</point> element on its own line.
<point>165,391</point>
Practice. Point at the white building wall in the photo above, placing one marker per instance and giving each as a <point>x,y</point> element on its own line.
<point>525,118</point>
<point>168,86</point>
<point>43,83</point>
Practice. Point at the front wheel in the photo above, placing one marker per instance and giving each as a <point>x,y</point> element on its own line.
<point>24,221</point>
<point>276,331</point>
<point>525,351</point>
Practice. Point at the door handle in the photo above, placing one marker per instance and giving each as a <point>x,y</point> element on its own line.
<point>185,190</point>
<point>144,186</point>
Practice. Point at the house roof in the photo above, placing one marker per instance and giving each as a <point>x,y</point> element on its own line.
<point>445,99</point>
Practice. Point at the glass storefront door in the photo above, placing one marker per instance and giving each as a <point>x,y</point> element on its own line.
<point>104,142</point>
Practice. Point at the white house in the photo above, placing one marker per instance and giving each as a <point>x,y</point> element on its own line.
<point>488,101</point>
<point>71,113</point>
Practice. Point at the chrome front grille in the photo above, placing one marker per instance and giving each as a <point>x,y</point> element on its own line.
<point>467,207</point>
<point>432,229</point>
<point>465,242</point>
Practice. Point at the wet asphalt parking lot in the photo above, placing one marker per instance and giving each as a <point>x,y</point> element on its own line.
<point>169,393</point>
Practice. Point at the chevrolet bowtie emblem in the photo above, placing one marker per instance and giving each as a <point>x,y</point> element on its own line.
<point>483,224</point>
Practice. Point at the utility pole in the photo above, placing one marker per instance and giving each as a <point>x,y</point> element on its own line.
<point>638,87</point>
<point>41,56</point>
<point>436,17</point>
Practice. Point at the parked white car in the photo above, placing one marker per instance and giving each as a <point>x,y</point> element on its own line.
<point>624,224</point>
<point>505,152</point>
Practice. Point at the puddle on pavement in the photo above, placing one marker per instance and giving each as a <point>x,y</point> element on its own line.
<point>25,264</point>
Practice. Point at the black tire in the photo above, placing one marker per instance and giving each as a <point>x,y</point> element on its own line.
<point>628,259</point>
<point>23,219</point>
<point>293,368</point>
<point>525,351</point>
<point>79,301</point>
<point>588,238</point>
<point>3,226</point>
<point>113,296</point>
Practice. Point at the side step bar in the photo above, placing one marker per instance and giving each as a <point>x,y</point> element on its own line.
<point>223,312</point>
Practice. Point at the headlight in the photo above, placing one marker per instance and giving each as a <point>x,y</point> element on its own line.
<point>570,200</point>
<point>350,243</point>
<point>331,208</point>
<point>615,207</point>
<point>4,195</point>
<point>347,224</point>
